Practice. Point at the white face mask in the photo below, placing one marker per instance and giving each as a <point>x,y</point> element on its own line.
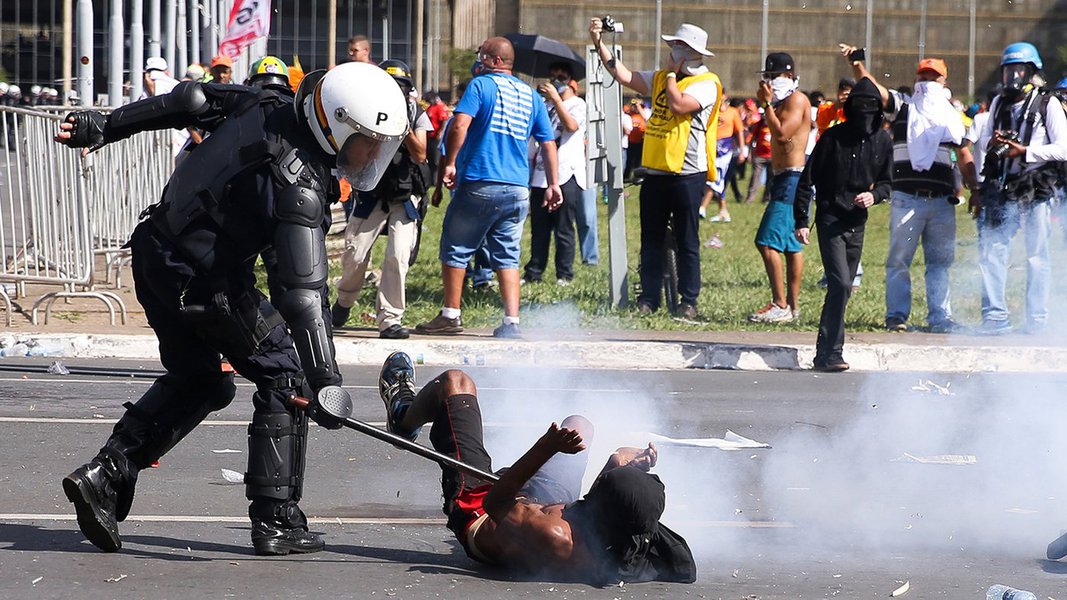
<point>685,56</point>
<point>932,89</point>
<point>782,87</point>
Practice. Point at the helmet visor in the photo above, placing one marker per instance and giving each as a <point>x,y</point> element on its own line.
<point>362,160</point>
<point>1015,76</point>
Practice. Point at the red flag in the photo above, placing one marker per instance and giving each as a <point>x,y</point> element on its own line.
<point>249,19</point>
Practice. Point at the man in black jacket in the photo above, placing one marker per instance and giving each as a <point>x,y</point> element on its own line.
<point>851,167</point>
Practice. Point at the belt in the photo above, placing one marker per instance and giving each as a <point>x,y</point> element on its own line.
<point>924,193</point>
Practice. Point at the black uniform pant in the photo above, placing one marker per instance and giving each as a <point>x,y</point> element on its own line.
<point>559,224</point>
<point>840,247</point>
<point>674,199</point>
<point>195,384</point>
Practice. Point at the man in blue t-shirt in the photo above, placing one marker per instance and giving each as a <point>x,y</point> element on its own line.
<point>486,166</point>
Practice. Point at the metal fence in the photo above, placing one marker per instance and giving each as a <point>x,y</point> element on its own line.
<point>59,211</point>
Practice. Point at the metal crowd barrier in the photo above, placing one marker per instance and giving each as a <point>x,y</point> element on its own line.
<point>59,210</point>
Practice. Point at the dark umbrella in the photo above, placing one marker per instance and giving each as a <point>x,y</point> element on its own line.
<point>534,54</point>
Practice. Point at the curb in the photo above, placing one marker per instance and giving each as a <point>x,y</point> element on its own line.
<point>619,355</point>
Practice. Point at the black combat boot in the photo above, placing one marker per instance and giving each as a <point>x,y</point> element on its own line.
<point>95,489</point>
<point>278,529</point>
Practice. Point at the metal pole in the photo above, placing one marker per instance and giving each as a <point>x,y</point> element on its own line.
<point>68,48</point>
<point>168,29</point>
<point>387,18</point>
<point>182,42</point>
<point>154,35</point>
<point>764,18</point>
<point>208,42</point>
<point>194,33</point>
<point>970,50</point>
<point>659,30</point>
<point>136,49</point>
<point>85,52</point>
<point>114,52</point>
<point>437,44</point>
<point>922,30</point>
<point>868,29</point>
<point>331,35</point>
<point>420,8</point>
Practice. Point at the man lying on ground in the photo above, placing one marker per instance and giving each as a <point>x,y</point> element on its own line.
<point>531,521</point>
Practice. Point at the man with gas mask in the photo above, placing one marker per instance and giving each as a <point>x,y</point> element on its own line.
<point>397,203</point>
<point>788,116</point>
<point>567,114</point>
<point>851,167</point>
<point>262,179</point>
<point>1025,138</point>
<point>676,151</point>
<point>928,158</point>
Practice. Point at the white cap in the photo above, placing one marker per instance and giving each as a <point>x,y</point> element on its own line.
<point>155,63</point>
<point>15,91</point>
<point>692,36</point>
<point>3,88</point>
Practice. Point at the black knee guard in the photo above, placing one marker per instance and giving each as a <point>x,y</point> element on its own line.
<point>276,449</point>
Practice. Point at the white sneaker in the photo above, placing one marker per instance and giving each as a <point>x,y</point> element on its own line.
<point>772,313</point>
<point>720,218</point>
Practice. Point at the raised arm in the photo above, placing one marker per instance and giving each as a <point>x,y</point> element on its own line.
<point>618,70</point>
<point>500,501</point>
<point>859,71</point>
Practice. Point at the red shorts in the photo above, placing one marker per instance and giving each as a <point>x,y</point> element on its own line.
<point>469,504</point>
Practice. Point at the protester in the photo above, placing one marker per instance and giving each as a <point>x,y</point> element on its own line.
<point>486,166</point>
<point>395,206</point>
<point>359,49</point>
<point>730,149</point>
<point>832,113</point>
<point>636,137</point>
<point>927,136</point>
<point>193,259</point>
<point>1025,137</point>
<point>676,155</point>
<point>566,111</point>
<point>851,167</point>
<point>761,161</point>
<point>788,115</point>
<point>532,521</point>
<point>222,69</point>
<point>158,82</point>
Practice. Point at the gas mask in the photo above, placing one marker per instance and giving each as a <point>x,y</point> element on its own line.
<point>1016,80</point>
<point>685,57</point>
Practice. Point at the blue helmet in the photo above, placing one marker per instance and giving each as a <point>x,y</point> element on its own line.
<point>1021,52</point>
<point>1061,85</point>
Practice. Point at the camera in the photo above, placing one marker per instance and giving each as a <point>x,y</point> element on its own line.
<point>859,54</point>
<point>610,24</point>
<point>999,151</point>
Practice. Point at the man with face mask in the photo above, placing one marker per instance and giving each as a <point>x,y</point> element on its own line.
<point>1025,138</point>
<point>676,153</point>
<point>928,157</point>
<point>851,166</point>
<point>788,116</point>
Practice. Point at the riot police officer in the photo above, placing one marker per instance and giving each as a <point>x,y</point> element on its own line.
<point>262,179</point>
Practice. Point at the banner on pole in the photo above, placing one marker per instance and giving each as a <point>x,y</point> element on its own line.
<point>249,20</point>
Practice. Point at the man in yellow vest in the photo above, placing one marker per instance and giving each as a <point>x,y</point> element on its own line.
<point>685,98</point>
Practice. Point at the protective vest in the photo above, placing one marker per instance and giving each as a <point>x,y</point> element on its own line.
<point>194,212</point>
<point>939,180</point>
<point>667,134</point>
<point>1024,185</point>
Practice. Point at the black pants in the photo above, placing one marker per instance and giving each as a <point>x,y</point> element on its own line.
<point>559,224</point>
<point>840,247</point>
<point>633,158</point>
<point>674,199</point>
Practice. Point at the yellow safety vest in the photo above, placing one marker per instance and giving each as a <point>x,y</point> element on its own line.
<point>667,134</point>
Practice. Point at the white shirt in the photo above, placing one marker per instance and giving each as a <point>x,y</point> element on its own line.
<point>707,94</point>
<point>972,136</point>
<point>1048,142</point>
<point>570,148</point>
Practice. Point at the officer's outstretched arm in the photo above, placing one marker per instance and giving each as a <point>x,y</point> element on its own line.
<point>300,243</point>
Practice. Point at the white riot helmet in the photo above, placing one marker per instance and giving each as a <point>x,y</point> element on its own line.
<point>357,112</point>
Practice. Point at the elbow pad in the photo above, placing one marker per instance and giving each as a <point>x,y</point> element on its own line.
<point>159,112</point>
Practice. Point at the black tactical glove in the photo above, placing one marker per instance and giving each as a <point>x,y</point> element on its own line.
<point>330,407</point>
<point>88,129</point>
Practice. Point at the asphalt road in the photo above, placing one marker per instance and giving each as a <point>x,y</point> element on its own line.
<point>846,503</point>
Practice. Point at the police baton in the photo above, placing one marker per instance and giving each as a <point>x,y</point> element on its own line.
<point>399,442</point>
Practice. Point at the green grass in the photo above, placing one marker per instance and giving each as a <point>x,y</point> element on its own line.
<point>734,281</point>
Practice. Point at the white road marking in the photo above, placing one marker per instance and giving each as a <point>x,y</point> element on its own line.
<point>364,520</point>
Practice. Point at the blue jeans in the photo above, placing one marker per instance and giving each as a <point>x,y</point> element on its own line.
<point>996,227</point>
<point>484,213</point>
<point>931,220</point>
<point>587,228</point>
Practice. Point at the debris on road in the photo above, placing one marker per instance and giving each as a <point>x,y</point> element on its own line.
<point>226,451</point>
<point>730,441</point>
<point>900,591</point>
<point>233,476</point>
<point>36,581</point>
<point>939,459</point>
<point>929,386</point>
<point>116,579</point>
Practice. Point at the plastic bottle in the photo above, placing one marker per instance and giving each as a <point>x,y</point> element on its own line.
<point>1003,592</point>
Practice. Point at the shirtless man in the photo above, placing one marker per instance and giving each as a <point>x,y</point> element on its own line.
<point>788,115</point>
<point>531,520</point>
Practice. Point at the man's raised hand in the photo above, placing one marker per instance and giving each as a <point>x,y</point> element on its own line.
<point>556,439</point>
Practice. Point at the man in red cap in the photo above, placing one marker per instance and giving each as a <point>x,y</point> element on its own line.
<point>222,69</point>
<point>928,158</point>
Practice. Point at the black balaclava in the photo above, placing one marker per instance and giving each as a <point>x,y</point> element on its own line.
<point>863,108</point>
